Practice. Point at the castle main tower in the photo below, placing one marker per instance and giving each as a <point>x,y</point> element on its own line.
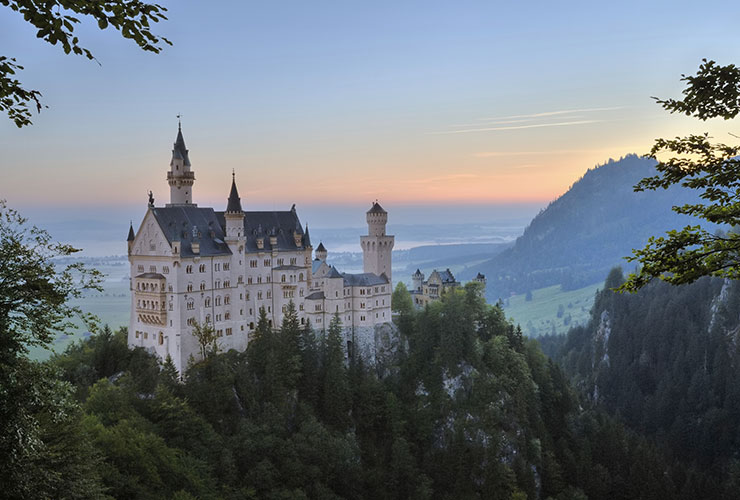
<point>377,246</point>
<point>180,177</point>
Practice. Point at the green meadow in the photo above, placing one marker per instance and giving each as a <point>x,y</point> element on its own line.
<point>551,310</point>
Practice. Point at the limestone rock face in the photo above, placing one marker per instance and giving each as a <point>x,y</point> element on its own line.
<point>377,345</point>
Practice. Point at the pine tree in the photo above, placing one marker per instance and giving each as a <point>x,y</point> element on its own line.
<point>336,401</point>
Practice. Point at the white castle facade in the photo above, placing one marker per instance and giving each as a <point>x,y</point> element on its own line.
<point>192,264</point>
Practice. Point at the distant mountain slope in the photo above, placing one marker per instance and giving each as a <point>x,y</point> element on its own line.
<point>581,235</point>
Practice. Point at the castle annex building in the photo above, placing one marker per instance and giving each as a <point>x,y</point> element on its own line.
<point>193,264</point>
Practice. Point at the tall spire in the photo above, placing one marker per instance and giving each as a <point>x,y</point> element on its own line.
<point>306,238</point>
<point>180,152</point>
<point>131,232</point>
<point>180,177</point>
<point>234,204</point>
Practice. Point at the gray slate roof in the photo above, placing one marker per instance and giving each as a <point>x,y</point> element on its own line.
<point>131,235</point>
<point>364,279</point>
<point>264,224</point>
<point>177,223</point>
<point>180,152</point>
<point>315,296</point>
<point>446,276</point>
<point>321,247</point>
<point>334,273</point>
<point>234,203</point>
<point>376,209</point>
<point>315,265</point>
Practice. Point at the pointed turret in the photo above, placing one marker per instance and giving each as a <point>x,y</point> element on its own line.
<point>180,177</point>
<point>131,237</point>
<point>306,238</point>
<point>234,214</point>
<point>321,252</point>
<point>180,152</point>
<point>234,204</point>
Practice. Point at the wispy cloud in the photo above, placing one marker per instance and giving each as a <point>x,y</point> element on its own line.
<point>555,113</point>
<point>520,127</point>
<point>505,154</point>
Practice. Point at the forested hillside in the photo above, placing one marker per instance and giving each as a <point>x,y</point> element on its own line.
<point>666,362</point>
<point>469,409</point>
<point>584,233</point>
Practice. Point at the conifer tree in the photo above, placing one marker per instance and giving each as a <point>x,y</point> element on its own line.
<point>336,401</point>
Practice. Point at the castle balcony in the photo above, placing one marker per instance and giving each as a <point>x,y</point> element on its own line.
<point>180,175</point>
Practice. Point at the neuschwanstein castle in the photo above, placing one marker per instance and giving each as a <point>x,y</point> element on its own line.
<point>194,264</point>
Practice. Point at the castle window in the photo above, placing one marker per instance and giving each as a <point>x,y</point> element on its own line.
<point>219,333</point>
<point>208,318</point>
<point>202,285</point>
<point>161,338</point>
<point>267,278</point>
<point>165,270</point>
<point>292,261</point>
<point>227,283</point>
<point>362,318</point>
<point>202,268</point>
<point>217,267</point>
<point>190,287</point>
<point>191,305</point>
<point>249,280</point>
<point>300,277</point>
<point>259,295</point>
<point>269,294</point>
<point>376,289</point>
<point>218,284</point>
<point>300,292</point>
<point>259,279</point>
<point>282,279</point>
<point>208,302</point>
<point>218,300</point>
<point>226,266</point>
<point>227,300</point>
<point>251,325</point>
<point>362,305</point>
<point>300,307</point>
<point>253,263</point>
<point>247,296</point>
<point>280,262</point>
<point>228,331</point>
<point>240,279</point>
<point>267,262</point>
<point>189,269</point>
<point>303,321</point>
<point>141,269</point>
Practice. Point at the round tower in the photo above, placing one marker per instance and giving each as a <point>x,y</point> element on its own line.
<point>377,246</point>
<point>417,280</point>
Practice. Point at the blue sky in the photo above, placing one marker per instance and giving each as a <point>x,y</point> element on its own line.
<point>324,103</point>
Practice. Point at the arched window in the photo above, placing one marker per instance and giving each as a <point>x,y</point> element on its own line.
<point>227,315</point>
<point>218,300</point>
<point>227,300</point>
<point>161,338</point>
<point>208,302</point>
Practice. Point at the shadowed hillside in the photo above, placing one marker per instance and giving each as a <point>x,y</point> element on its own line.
<point>581,235</point>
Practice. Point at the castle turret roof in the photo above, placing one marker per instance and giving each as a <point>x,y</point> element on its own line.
<point>306,238</point>
<point>321,248</point>
<point>376,209</point>
<point>234,204</point>
<point>131,235</point>
<point>180,152</point>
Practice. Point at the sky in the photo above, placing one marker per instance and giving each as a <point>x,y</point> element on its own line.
<point>435,108</point>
